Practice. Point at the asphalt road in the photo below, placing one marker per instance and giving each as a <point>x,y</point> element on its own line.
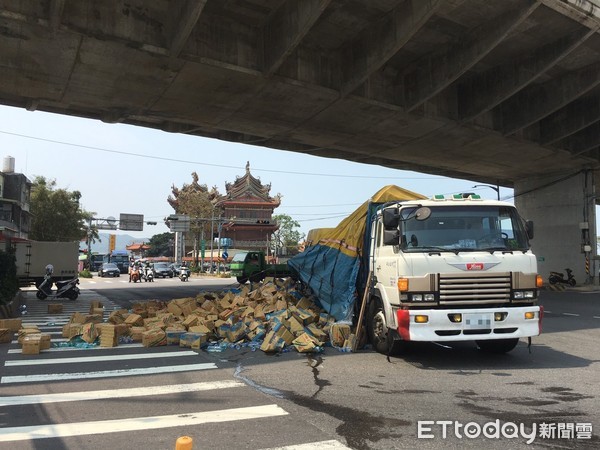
<point>240,399</point>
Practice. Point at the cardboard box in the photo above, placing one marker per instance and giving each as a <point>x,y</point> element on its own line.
<point>154,338</point>
<point>6,335</point>
<point>11,324</point>
<point>55,308</point>
<point>304,343</point>
<point>137,333</point>
<point>338,333</point>
<point>31,345</point>
<point>188,339</point>
<point>134,320</point>
<point>89,332</point>
<point>173,336</point>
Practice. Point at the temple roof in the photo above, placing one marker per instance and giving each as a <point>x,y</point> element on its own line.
<point>248,188</point>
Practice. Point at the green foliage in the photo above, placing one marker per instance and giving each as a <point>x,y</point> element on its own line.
<point>85,273</point>
<point>9,285</point>
<point>161,244</point>
<point>56,215</point>
<point>285,240</point>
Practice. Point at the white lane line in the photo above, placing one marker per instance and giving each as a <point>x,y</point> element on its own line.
<point>69,349</point>
<point>117,393</point>
<point>105,373</point>
<point>596,317</point>
<point>547,312</point>
<point>571,314</point>
<point>53,340</point>
<point>139,423</point>
<point>84,359</point>
<point>325,445</point>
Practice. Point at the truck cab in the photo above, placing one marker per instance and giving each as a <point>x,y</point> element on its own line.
<point>248,266</point>
<point>452,270</point>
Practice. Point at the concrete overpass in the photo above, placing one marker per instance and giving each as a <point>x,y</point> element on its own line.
<point>503,92</point>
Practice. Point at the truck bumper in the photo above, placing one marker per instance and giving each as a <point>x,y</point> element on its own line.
<point>469,324</point>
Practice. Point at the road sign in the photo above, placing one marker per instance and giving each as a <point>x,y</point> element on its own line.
<point>112,242</point>
<point>131,222</point>
<point>178,222</point>
<point>225,255</point>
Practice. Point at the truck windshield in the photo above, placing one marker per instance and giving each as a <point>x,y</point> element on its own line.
<point>239,257</point>
<point>464,228</point>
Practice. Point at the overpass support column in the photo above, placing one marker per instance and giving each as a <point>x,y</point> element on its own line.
<point>563,210</point>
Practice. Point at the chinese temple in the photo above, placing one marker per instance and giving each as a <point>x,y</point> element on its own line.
<point>247,212</point>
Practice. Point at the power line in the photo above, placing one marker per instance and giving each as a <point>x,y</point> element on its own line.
<point>162,158</point>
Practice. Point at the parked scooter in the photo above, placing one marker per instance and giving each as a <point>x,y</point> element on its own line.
<point>557,277</point>
<point>64,289</point>
<point>184,273</point>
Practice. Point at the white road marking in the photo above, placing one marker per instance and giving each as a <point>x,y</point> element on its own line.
<point>570,314</point>
<point>138,423</point>
<point>596,317</point>
<point>83,359</point>
<point>325,445</point>
<point>105,373</point>
<point>68,349</point>
<point>117,393</point>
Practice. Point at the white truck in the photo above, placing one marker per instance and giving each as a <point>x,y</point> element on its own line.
<point>452,269</point>
<point>32,257</point>
<point>416,269</point>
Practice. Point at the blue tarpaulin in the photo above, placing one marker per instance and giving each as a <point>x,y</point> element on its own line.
<point>332,261</point>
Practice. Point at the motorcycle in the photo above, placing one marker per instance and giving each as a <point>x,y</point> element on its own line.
<point>184,273</point>
<point>64,289</point>
<point>149,274</point>
<point>557,277</point>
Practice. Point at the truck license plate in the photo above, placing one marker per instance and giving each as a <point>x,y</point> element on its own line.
<point>478,321</point>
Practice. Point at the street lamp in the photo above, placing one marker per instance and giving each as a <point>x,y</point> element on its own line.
<point>496,188</point>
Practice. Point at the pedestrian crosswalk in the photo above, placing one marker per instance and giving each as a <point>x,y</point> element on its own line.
<point>113,395</point>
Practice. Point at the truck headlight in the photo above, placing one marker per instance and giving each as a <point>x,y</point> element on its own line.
<point>520,295</point>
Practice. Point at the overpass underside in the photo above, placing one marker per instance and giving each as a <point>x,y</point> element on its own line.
<point>503,92</point>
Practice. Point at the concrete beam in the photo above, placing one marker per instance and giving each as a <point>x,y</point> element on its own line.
<point>56,11</point>
<point>569,120</point>
<point>436,72</point>
<point>382,40</point>
<point>184,16</point>
<point>583,141</point>
<point>539,101</point>
<point>286,28</point>
<point>494,86</point>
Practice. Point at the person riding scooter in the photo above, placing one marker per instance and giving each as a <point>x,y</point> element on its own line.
<point>184,272</point>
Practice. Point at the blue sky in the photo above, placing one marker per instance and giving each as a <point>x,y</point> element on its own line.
<point>126,169</point>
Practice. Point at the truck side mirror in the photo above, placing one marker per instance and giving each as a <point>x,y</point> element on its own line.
<point>529,228</point>
<point>391,237</point>
<point>391,218</point>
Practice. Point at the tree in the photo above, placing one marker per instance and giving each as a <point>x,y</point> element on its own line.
<point>161,244</point>
<point>285,240</point>
<point>56,213</point>
<point>196,201</point>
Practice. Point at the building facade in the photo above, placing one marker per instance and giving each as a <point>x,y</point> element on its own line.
<point>15,196</point>
<point>247,212</point>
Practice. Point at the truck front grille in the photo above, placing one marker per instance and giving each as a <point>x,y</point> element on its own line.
<point>462,288</point>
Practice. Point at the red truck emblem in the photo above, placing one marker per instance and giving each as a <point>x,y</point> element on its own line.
<point>474,266</point>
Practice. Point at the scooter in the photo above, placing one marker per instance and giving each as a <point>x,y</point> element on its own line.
<point>64,289</point>
<point>149,274</point>
<point>184,273</point>
<point>557,277</point>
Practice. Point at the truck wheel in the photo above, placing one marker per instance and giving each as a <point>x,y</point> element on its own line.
<point>497,345</point>
<point>380,336</point>
<point>40,295</point>
<point>242,280</point>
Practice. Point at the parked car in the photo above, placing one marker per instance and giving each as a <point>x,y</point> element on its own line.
<point>109,270</point>
<point>162,270</point>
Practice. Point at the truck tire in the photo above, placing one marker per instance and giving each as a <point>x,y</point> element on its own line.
<point>497,345</point>
<point>382,339</point>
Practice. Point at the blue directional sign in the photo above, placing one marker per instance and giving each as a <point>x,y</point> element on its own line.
<point>225,255</point>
